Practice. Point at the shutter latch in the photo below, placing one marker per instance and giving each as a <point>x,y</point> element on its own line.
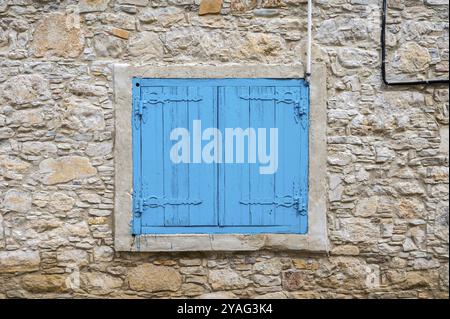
<point>300,114</point>
<point>138,206</point>
<point>139,111</point>
<point>300,205</point>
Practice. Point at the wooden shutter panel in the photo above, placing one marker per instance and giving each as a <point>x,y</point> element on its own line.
<point>252,202</point>
<point>173,195</point>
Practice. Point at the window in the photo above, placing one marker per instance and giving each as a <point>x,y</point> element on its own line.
<point>220,156</point>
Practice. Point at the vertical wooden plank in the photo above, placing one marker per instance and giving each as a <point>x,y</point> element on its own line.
<point>262,187</point>
<point>234,113</point>
<point>153,152</point>
<point>202,176</point>
<point>304,147</point>
<point>221,205</point>
<point>287,180</point>
<point>176,181</point>
<point>136,156</point>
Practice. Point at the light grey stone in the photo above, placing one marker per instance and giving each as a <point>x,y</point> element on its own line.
<point>99,149</point>
<point>264,12</point>
<point>103,254</point>
<point>142,3</point>
<point>17,200</point>
<point>25,90</point>
<point>146,46</point>
<point>225,279</point>
<point>93,5</point>
<point>355,58</point>
<point>70,257</point>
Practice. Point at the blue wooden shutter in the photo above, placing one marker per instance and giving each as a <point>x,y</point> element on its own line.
<point>219,198</point>
<point>170,197</point>
<point>251,202</point>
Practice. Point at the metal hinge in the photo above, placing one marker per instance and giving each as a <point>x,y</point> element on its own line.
<point>139,113</point>
<point>138,206</point>
<point>152,202</point>
<point>287,201</point>
<point>288,97</point>
<point>300,114</point>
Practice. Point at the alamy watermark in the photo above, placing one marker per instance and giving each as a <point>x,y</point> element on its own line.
<point>226,148</point>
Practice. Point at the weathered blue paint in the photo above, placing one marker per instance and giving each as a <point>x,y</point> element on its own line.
<point>219,198</point>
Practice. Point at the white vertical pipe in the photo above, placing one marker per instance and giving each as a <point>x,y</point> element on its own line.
<point>309,44</point>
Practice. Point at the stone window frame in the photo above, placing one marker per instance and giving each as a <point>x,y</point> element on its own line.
<point>316,240</point>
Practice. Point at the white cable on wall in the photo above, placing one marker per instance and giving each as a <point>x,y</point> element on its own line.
<point>309,44</point>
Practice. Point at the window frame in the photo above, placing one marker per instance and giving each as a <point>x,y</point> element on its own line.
<point>315,240</point>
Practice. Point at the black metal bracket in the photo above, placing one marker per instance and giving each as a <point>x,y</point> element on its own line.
<point>383,57</point>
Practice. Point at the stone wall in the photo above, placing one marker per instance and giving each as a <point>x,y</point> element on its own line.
<point>387,146</point>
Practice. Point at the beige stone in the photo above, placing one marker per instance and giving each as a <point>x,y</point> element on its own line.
<point>83,116</point>
<point>100,281</point>
<point>39,148</point>
<point>25,90</point>
<point>121,33</point>
<point>444,134</point>
<point>224,279</point>
<point>240,6</point>
<point>258,46</point>
<point>44,283</point>
<point>272,295</point>
<point>19,261</point>
<point>17,200</point>
<point>91,198</point>
<point>97,220</point>
<point>58,34</point>
<point>61,202</point>
<point>268,267</point>
<point>64,169</point>
<point>301,263</point>
<point>71,257</point>
<point>416,280</point>
<point>410,208</point>
<point>146,46</point>
<point>210,7</point>
<point>80,229</point>
<point>367,207</point>
<point>273,3</point>
<point>99,149</point>
<point>93,5</point>
<point>166,17</point>
<point>306,295</point>
<point>412,58</point>
<point>141,3</point>
<point>28,118</point>
<point>345,250</point>
<point>108,46</point>
<point>2,233</point>
<point>356,230</point>
<point>218,295</point>
<point>191,289</point>
<point>153,278</point>
<point>409,188</point>
<point>103,254</point>
<point>10,166</point>
<point>44,225</point>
